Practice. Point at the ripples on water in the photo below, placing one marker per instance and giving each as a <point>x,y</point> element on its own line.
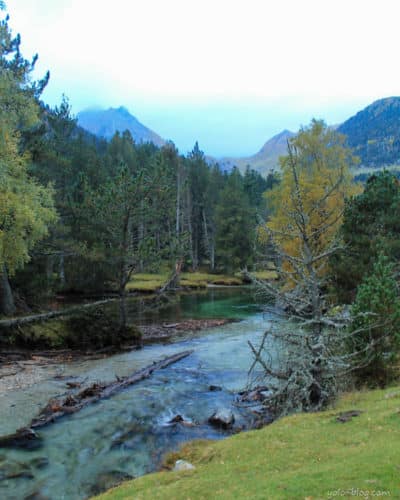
<point>126,435</point>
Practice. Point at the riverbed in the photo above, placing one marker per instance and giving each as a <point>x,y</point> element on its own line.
<point>127,435</point>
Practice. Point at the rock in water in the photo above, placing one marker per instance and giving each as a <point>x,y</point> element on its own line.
<point>214,388</point>
<point>223,418</point>
<point>177,419</point>
<point>183,465</point>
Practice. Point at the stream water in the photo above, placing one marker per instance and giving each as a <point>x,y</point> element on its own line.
<point>126,435</point>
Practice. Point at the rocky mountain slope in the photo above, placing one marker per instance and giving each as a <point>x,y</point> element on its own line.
<point>104,123</point>
<point>374,133</point>
<point>266,160</point>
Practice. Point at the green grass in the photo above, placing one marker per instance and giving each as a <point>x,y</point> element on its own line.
<point>266,275</point>
<point>147,282</point>
<point>193,279</point>
<point>305,456</point>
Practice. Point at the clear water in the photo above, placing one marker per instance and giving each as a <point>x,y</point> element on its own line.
<point>127,434</point>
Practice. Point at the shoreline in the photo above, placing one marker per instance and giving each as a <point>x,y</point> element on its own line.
<point>22,368</point>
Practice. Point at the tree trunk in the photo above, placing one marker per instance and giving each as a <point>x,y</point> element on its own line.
<point>62,270</point>
<point>212,255</point>
<point>23,320</point>
<point>206,235</point>
<point>72,403</point>
<point>141,231</point>
<point>122,310</point>
<point>7,306</point>
<point>178,203</point>
<point>190,229</point>
<point>49,269</point>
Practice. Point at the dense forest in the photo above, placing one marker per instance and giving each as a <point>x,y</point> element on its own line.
<point>81,217</point>
<point>81,214</point>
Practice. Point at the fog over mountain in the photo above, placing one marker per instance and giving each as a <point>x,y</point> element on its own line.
<point>104,123</point>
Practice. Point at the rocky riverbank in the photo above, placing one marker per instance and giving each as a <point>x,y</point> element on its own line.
<point>23,367</point>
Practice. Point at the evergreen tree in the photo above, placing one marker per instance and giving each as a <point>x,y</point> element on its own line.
<point>376,323</point>
<point>371,224</point>
<point>26,208</point>
<point>198,173</point>
<point>254,186</point>
<point>116,214</point>
<point>235,221</point>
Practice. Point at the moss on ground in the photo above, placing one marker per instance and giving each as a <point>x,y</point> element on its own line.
<point>303,456</point>
<point>91,329</point>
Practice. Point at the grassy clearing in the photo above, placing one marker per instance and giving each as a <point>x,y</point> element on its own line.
<point>305,456</point>
<point>146,282</point>
<point>266,275</point>
<point>200,278</point>
<point>150,282</point>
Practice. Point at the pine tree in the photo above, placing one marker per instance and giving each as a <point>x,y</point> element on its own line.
<point>376,323</point>
<point>26,208</point>
<point>371,224</point>
<point>235,222</point>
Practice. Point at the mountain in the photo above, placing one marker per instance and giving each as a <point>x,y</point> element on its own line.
<point>266,160</point>
<point>374,133</point>
<point>104,123</point>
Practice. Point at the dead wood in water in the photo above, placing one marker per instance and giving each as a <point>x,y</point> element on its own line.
<point>57,408</point>
<point>60,407</point>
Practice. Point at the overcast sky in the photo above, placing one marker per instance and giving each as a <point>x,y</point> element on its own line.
<point>227,73</point>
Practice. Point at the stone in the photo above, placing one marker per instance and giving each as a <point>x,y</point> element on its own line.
<point>223,418</point>
<point>346,416</point>
<point>177,419</point>
<point>183,465</point>
<point>214,388</point>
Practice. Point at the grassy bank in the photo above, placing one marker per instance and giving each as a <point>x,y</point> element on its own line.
<point>150,282</point>
<point>303,456</point>
<point>86,330</point>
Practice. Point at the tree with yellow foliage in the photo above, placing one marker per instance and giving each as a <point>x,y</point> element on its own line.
<point>26,208</point>
<point>307,209</point>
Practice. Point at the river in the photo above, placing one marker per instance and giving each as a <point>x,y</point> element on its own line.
<point>127,435</point>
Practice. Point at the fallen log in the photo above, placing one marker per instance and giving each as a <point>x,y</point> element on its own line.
<point>57,408</point>
<point>23,320</point>
<point>60,407</point>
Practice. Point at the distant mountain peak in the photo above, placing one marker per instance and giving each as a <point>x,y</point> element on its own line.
<point>106,122</point>
<point>267,158</point>
<point>123,111</point>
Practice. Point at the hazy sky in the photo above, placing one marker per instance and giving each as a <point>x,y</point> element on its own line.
<point>227,73</point>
